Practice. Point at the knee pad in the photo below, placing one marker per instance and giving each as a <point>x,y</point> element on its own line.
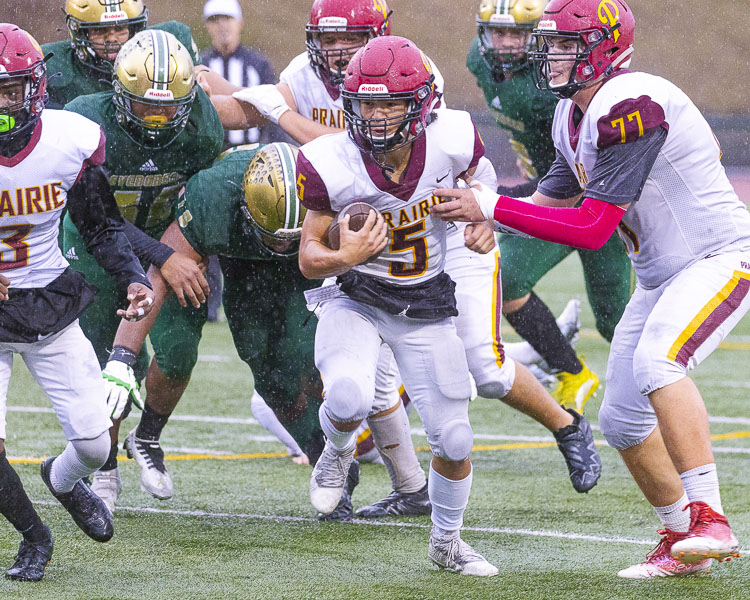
<point>624,429</point>
<point>455,441</point>
<point>500,381</point>
<point>95,452</point>
<point>347,400</point>
<point>178,361</point>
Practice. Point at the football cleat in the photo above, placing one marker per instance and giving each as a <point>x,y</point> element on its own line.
<point>574,389</point>
<point>569,321</point>
<point>150,458</point>
<point>328,478</point>
<point>451,553</point>
<point>31,560</point>
<point>344,511</point>
<point>660,563</point>
<point>107,486</point>
<point>541,375</point>
<point>576,442</point>
<point>402,504</point>
<point>87,509</point>
<point>709,536</point>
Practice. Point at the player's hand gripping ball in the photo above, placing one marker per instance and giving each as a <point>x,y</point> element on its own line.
<point>358,213</point>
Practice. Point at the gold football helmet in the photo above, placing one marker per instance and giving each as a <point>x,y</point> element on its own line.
<point>271,203</point>
<point>82,16</point>
<point>154,88</point>
<point>514,20</point>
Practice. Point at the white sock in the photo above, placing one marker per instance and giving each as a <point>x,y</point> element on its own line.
<point>702,485</point>
<point>266,417</point>
<point>449,499</point>
<point>341,440</point>
<point>79,459</point>
<point>674,516</point>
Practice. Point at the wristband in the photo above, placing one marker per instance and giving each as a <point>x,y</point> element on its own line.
<point>124,355</point>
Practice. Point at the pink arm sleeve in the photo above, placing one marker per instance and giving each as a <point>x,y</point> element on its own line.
<point>589,226</point>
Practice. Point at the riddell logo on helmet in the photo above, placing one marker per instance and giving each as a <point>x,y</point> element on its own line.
<point>373,88</point>
<point>114,16</point>
<point>547,25</point>
<point>333,22</point>
<point>503,19</point>
<point>159,94</point>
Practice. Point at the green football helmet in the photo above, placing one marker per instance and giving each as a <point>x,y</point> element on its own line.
<point>83,16</point>
<point>271,203</point>
<point>512,18</point>
<point>154,88</point>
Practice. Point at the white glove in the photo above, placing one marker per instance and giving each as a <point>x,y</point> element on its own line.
<point>120,386</point>
<point>266,98</point>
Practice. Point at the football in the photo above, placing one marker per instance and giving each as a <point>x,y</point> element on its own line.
<point>358,213</point>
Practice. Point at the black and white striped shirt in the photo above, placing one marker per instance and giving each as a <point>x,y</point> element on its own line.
<point>246,68</point>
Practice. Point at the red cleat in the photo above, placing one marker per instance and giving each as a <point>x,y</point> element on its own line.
<point>659,562</point>
<point>709,536</point>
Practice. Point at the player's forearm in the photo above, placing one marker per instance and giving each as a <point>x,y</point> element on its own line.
<point>234,114</point>
<point>316,261</point>
<point>217,83</point>
<point>90,203</point>
<point>132,334</point>
<point>146,248</point>
<point>588,226</point>
<point>302,129</point>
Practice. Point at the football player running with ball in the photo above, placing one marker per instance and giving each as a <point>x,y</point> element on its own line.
<point>318,109</point>
<point>498,58</point>
<point>649,166</point>
<point>245,210</point>
<point>161,129</point>
<point>50,159</point>
<point>389,158</point>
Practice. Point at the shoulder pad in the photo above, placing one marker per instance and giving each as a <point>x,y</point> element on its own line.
<point>628,120</point>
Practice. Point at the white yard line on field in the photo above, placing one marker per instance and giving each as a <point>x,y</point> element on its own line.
<point>399,524</point>
<point>415,431</point>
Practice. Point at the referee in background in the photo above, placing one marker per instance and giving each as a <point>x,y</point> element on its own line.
<point>243,67</point>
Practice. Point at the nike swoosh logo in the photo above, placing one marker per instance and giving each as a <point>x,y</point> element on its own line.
<point>443,177</point>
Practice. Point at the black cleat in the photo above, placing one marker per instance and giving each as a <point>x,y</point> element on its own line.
<point>398,504</point>
<point>31,559</point>
<point>344,510</point>
<point>88,510</point>
<point>576,442</point>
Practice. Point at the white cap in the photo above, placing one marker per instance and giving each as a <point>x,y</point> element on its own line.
<point>230,8</point>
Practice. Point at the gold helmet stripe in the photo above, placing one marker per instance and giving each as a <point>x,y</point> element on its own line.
<point>289,165</point>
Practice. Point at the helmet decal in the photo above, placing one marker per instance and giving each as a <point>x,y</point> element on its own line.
<point>272,205</point>
<point>609,14</point>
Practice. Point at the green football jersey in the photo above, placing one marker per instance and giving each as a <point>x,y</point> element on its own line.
<point>68,78</point>
<point>522,110</point>
<point>145,181</point>
<point>209,211</point>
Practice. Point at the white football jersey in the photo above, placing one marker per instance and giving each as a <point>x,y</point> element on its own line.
<point>687,209</point>
<point>33,193</point>
<point>312,97</point>
<point>416,248</point>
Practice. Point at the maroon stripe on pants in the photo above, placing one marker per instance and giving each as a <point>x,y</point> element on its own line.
<point>720,314</point>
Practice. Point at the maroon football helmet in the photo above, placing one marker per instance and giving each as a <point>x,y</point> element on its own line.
<point>389,68</point>
<point>368,17</point>
<point>21,62</point>
<point>603,30</point>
